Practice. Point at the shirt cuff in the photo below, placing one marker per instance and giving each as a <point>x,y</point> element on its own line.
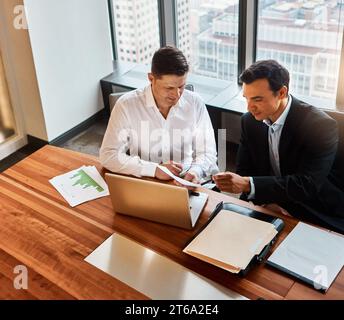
<point>148,169</point>
<point>252,194</point>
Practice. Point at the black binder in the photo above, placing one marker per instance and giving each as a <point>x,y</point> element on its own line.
<point>278,223</point>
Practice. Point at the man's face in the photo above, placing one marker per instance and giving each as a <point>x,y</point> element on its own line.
<point>262,102</point>
<point>167,89</point>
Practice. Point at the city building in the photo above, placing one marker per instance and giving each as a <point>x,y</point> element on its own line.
<point>304,36</point>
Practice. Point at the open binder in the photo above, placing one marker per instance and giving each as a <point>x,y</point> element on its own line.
<point>277,223</point>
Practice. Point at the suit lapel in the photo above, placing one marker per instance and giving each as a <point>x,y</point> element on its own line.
<point>288,132</point>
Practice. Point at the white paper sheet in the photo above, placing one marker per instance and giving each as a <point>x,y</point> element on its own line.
<point>178,179</point>
<point>80,185</point>
<point>312,254</point>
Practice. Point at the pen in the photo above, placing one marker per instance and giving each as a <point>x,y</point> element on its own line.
<point>185,170</point>
<point>207,181</point>
<point>183,173</point>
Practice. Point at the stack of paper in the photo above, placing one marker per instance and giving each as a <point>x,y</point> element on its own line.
<point>231,240</point>
<point>80,185</point>
<point>311,254</point>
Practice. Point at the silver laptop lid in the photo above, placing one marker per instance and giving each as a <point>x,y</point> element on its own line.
<point>150,200</point>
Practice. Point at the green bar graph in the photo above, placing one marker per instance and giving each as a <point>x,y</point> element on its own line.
<point>86,181</point>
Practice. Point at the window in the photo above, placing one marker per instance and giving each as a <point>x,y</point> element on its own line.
<point>310,34</point>
<point>140,27</point>
<point>207,32</point>
<point>220,38</point>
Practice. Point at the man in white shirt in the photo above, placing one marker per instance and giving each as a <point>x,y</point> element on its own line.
<point>161,124</point>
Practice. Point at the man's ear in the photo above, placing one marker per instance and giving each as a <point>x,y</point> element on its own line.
<point>150,77</point>
<point>283,93</point>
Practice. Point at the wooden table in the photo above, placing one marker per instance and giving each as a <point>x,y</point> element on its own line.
<point>39,230</point>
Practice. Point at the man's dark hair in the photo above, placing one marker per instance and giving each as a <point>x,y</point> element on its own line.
<point>271,70</point>
<point>169,60</point>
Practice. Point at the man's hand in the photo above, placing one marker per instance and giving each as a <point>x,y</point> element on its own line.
<point>192,177</point>
<point>174,167</point>
<point>189,176</point>
<point>232,182</point>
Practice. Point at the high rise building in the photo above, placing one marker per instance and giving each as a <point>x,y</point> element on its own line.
<point>183,27</point>
<point>137,29</point>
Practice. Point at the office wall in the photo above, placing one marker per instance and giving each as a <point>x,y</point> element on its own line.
<point>20,73</point>
<point>71,48</point>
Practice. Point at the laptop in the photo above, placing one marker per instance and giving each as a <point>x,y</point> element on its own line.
<point>155,201</point>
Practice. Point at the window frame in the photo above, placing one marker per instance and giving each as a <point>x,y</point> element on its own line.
<point>112,29</point>
<point>167,22</point>
<point>247,46</point>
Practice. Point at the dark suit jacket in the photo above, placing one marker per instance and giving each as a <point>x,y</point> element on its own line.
<point>307,150</point>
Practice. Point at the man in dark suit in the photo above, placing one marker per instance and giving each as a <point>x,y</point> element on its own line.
<point>286,152</point>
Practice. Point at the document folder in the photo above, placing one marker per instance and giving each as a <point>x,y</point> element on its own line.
<point>312,255</point>
<point>277,223</point>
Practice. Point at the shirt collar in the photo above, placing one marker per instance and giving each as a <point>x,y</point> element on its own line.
<point>281,119</point>
<point>150,101</point>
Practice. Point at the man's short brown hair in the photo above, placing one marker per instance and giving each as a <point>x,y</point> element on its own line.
<point>271,70</point>
<point>169,60</point>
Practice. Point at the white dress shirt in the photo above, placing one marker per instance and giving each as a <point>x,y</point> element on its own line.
<point>138,137</point>
<point>274,136</point>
